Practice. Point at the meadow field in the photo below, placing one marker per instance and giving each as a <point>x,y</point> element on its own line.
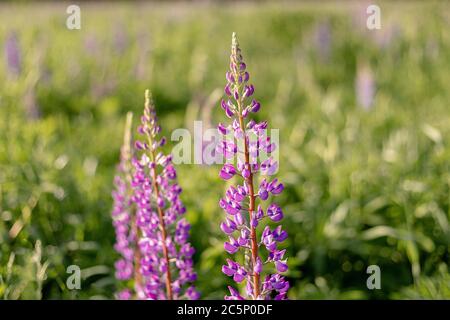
<point>364,120</point>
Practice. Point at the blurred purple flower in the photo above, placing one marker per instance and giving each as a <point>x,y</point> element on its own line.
<point>365,87</point>
<point>124,294</point>
<point>123,213</point>
<point>322,40</point>
<point>13,54</point>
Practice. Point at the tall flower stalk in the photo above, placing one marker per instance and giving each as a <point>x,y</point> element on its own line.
<point>13,55</point>
<point>245,216</point>
<point>123,217</point>
<point>166,255</point>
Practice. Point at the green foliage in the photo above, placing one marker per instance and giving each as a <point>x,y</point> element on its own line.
<point>362,186</point>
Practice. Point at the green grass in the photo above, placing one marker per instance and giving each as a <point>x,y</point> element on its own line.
<point>363,186</point>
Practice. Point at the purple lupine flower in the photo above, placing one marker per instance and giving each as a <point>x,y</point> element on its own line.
<point>123,215</point>
<point>365,87</point>
<point>166,255</point>
<point>124,294</point>
<point>13,55</point>
<point>243,214</point>
<point>322,40</point>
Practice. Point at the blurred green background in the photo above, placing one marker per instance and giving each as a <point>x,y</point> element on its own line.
<point>364,141</point>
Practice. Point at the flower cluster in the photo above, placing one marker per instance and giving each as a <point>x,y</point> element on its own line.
<point>123,214</point>
<point>166,263</point>
<point>13,55</point>
<point>365,87</point>
<point>247,140</point>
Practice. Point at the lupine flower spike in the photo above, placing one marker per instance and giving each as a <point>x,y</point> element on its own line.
<point>166,255</point>
<point>245,218</point>
<point>13,55</point>
<point>123,217</point>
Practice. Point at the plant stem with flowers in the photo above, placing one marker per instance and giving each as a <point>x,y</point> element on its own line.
<point>151,235</point>
<point>239,200</point>
<point>123,215</point>
<point>166,255</point>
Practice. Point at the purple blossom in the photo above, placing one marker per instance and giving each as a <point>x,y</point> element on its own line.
<point>234,294</point>
<point>124,294</point>
<point>13,55</point>
<point>227,172</point>
<point>243,214</point>
<point>322,40</point>
<point>166,255</point>
<point>274,212</point>
<point>365,87</point>
<point>123,214</point>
